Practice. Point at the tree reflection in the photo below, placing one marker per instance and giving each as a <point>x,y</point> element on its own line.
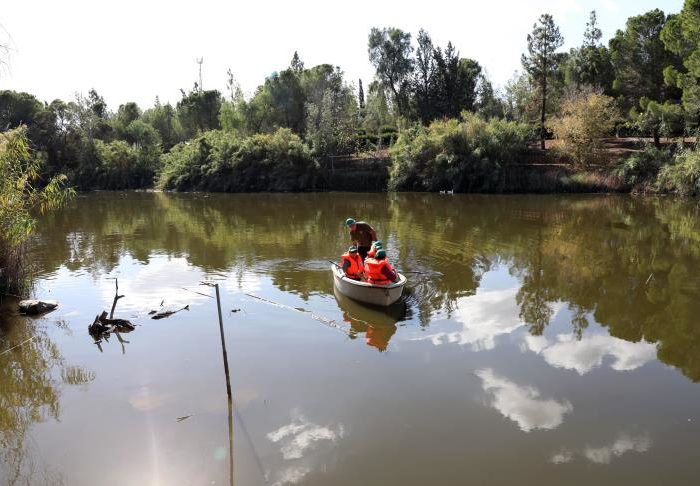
<point>627,263</point>
<point>29,394</point>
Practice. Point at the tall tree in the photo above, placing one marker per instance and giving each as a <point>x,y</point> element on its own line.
<point>589,64</point>
<point>424,78</point>
<point>541,62</point>
<point>639,58</point>
<point>297,64</point>
<point>198,111</point>
<point>681,35</point>
<point>390,54</point>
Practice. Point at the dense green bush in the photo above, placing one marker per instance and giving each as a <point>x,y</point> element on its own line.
<point>225,162</point>
<point>682,176</point>
<point>464,155</point>
<point>643,167</point>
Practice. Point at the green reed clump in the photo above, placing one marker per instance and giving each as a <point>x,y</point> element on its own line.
<point>226,162</point>
<point>682,176</point>
<point>642,168</point>
<point>465,155</point>
<point>22,195</point>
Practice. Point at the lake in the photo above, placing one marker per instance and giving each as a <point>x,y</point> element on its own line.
<point>541,340</point>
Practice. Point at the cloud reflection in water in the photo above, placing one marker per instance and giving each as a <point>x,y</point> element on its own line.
<point>607,453</point>
<point>588,353</point>
<point>483,318</point>
<point>298,441</point>
<point>523,404</point>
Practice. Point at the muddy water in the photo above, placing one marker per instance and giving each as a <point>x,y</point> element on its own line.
<point>546,340</point>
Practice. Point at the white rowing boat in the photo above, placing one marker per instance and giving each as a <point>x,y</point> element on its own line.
<point>383,295</point>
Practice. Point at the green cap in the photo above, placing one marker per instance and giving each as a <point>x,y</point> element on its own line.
<point>349,222</point>
<point>381,255</point>
<point>352,249</point>
<point>378,244</point>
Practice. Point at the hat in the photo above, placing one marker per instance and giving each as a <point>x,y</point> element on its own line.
<point>352,249</point>
<point>378,244</point>
<point>349,222</point>
<point>381,255</point>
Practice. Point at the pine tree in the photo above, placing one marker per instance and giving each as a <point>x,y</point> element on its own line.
<point>541,63</point>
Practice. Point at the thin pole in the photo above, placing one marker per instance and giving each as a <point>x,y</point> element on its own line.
<point>228,386</point>
<point>223,342</point>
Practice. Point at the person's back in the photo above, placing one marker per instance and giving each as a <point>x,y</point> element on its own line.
<point>378,270</point>
<point>351,263</point>
<point>361,235</point>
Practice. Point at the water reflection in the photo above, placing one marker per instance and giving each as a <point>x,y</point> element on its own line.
<point>522,404</point>
<point>377,324</point>
<point>626,263</point>
<point>302,444</point>
<point>30,391</point>
<point>533,290</point>
<point>607,453</point>
<point>482,317</point>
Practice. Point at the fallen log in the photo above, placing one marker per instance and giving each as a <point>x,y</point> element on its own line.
<point>33,307</point>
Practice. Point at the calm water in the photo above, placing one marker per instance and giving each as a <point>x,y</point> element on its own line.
<point>547,340</point>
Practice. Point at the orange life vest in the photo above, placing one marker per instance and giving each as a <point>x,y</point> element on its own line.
<point>355,269</point>
<point>373,270</point>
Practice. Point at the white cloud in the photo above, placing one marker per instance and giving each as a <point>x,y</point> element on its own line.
<point>523,405</point>
<point>588,353</point>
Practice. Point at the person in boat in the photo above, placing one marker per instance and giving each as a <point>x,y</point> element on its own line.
<point>378,270</point>
<point>362,236</point>
<point>377,245</point>
<point>351,263</point>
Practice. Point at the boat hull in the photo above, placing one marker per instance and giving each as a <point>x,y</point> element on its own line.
<point>381,295</point>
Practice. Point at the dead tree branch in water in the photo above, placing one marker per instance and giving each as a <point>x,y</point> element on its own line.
<point>102,327</point>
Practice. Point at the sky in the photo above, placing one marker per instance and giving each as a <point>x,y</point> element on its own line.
<point>137,50</point>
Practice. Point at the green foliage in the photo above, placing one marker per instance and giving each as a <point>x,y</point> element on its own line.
<point>120,165</point>
<point>331,121</point>
<point>223,161</point>
<point>681,177</point>
<point>542,62</point>
<point>657,119</point>
<point>585,118</point>
<point>681,35</point>
<point>639,58</point>
<point>590,64</point>
<point>390,53</point>
<point>20,198</point>
<point>643,167</point>
<point>163,118</point>
<point>464,155</point>
<point>198,111</point>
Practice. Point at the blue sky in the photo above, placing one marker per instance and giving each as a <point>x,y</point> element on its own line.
<point>135,50</point>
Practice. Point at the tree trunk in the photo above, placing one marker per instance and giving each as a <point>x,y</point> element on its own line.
<point>544,106</point>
